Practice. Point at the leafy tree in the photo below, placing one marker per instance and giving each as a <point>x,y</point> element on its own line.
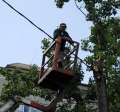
<point>104,55</point>
<point>19,82</point>
<point>102,44</point>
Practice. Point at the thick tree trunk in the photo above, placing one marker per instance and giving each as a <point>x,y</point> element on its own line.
<point>101,88</point>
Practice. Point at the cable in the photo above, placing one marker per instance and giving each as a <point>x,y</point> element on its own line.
<point>33,22</point>
<point>27,19</point>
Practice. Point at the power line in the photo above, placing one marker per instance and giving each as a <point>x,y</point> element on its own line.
<point>26,18</point>
<point>33,22</point>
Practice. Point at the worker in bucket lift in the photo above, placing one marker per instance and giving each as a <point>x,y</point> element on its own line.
<point>61,31</point>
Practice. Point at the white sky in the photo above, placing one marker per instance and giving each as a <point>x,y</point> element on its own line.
<point>21,42</point>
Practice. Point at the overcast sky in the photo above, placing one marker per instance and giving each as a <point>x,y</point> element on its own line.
<point>20,42</point>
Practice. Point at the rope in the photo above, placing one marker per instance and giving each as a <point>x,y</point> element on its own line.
<point>27,19</point>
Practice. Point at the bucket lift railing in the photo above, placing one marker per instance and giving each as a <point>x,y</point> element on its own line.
<point>51,61</point>
<point>46,60</point>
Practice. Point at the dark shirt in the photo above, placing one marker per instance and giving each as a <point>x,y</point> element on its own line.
<point>63,34</point>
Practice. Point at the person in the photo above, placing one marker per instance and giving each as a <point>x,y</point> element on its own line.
<point>61,31</point>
